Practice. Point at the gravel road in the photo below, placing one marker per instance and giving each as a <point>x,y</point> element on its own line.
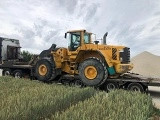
<point>155,93</point>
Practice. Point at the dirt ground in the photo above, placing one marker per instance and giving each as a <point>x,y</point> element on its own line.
<point>155,93</point>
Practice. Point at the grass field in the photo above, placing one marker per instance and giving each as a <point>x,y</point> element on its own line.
<point>22,99</point>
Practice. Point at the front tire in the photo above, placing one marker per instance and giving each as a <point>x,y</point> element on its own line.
<point>45,70</point>
<point>93,72</point>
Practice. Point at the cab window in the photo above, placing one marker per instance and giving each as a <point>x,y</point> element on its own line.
<point>74,41</point>
<point>86,38</point>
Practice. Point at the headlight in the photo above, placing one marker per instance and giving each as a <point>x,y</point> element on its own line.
<point>121,50</point>
<point>121,59</point>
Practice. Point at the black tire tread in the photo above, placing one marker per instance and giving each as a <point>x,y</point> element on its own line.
<point>53,70</point>
<point>105,69</point>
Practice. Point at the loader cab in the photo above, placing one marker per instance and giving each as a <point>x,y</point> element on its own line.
<point>77,38</point>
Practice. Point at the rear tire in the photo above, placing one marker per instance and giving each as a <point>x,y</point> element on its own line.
<point>45,70</point>
<point>135,87</point>
<point>93,72</point>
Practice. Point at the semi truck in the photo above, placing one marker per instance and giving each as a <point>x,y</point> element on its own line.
<point>85,62</point>
<point>12,62</point>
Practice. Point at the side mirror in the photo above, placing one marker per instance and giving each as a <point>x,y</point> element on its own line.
<point>65,36</point>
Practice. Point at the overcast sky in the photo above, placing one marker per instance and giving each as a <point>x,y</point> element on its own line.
<point>39,23</point>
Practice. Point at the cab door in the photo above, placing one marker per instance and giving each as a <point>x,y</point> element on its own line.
<point>74,41</point>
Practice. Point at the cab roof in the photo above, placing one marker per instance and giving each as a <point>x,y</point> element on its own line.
<point>80,30</point>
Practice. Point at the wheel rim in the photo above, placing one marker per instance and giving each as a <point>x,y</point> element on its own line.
<point>17,75</point>
<point>111,86</point>
<point>135,88</point>
<point>6,73</point>
<point>42,69</point>
<point>90,72</point>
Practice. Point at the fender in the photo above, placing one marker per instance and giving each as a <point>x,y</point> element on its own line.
<point>102,55</point>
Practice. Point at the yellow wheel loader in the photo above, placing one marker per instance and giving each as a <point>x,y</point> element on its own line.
<point>84,60</point>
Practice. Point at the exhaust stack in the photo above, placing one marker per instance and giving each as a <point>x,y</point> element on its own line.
<point>104,38</point>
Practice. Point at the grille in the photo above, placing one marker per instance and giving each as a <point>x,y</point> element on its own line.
<point>114,55</point>
<point>125,55</point>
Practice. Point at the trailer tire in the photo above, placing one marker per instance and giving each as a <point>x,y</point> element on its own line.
<point>17,73</point>
<point>108,86</point>
<point>6,72</point>
<point>145,88</point>
<point>78,83</point>
<point>135,87</point>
